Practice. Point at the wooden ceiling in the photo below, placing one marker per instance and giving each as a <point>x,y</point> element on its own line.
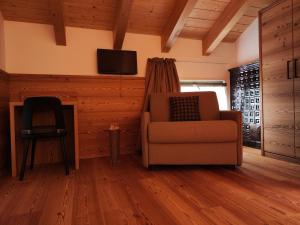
<point>194,19</point>
<point>206,12</point>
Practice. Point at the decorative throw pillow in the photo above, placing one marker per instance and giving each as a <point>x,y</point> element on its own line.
<point>184,108</point>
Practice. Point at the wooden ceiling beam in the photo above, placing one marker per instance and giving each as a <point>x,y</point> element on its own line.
<point>57,14</point>
<point>176,22</point>
<point>224,24</point>
<point>121,22</point>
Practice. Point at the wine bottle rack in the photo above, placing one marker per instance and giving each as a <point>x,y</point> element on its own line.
<point>245,97</point>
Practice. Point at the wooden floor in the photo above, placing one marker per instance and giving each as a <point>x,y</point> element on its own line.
<point>262,191</point>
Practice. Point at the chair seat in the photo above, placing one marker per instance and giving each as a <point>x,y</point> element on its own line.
<point>43,131</point>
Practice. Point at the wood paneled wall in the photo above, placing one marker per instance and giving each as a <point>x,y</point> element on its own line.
<point>101,101</point>
<point>4,121</point>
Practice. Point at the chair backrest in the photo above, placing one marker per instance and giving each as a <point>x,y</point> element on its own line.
<point>208,105</point>
<point>52,104</point>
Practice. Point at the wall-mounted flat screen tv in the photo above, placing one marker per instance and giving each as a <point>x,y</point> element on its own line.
<point>116,62</point>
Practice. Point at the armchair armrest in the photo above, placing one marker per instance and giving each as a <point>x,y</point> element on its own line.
<point>236,116</point>
<point>144,132</point>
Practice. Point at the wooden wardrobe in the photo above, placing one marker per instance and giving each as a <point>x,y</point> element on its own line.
<point>280,78</point>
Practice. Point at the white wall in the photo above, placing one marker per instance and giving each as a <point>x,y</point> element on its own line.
<point>31,48</point>
<point>247,46</point>
<point>188,53</point>
<point>2,47</point>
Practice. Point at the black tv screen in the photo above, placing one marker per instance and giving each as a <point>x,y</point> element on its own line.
<point>116,62</point>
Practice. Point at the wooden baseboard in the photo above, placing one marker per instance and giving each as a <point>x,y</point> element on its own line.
<point>282,157</point>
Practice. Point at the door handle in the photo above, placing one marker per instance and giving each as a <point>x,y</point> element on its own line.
<point>290,69</point>
<point>296,68</point>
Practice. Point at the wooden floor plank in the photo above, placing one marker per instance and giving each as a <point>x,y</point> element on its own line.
<point>261,191</point>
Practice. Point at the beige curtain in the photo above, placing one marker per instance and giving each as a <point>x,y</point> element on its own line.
<point>161,77</point>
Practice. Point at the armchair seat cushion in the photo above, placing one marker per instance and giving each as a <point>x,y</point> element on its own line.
<point>192,132</point>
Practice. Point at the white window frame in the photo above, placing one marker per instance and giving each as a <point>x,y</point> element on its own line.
<point>218,86</point>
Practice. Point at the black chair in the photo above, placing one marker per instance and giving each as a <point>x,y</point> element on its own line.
<point>31,133</point>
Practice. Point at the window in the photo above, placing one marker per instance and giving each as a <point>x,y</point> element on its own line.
<point>217,86</point>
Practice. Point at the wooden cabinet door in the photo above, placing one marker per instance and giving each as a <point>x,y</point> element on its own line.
<point>278,94</point>
<point>296,36</point>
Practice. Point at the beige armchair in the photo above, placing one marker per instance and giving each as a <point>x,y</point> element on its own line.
<point>216,139</point>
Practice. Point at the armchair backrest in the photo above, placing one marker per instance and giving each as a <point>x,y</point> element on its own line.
<point>33,104</point>
<point>208,105</point>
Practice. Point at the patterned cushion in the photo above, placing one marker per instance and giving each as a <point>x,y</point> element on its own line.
<point>184,108</point>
